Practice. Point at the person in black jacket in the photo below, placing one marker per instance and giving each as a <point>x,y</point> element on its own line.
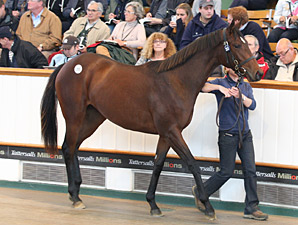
<point>251,4</point>
<point>178,23</point>
<point>6,17</point>
<point>18,53</point>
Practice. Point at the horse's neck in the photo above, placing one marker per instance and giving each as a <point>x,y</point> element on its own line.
<point>194,73</point>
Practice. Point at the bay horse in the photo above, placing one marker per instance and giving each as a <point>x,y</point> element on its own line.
<point>156,98</point>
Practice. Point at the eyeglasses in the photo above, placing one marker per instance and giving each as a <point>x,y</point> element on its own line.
<point>177,14</point>
<point>126,11</point>
<point>283,54</point>
<point>92,10</point>
<point>159,41</point>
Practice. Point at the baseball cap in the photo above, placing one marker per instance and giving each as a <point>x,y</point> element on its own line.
<point>5,32</point>
<point>69,41</point>
<point>204,3</point>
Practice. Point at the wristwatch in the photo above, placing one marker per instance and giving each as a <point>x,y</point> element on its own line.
<point>41,46</point>
<point>244,98</point>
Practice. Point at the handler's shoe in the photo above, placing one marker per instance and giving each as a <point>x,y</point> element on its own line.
<point>257,215</point>
<point>199,204</point>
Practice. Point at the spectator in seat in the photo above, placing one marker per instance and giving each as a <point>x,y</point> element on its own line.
<point>41,27</point>
<point>177,26</point>
<point>18,53</point>
<point>204,23</point>
<point>196,3</point>
<point>160,14</point>
<point>77,8</point>
<point>158,47</point>
<point>70,49</point>
<point>89,29</point>
<point>6,17</point>
<point>286,17</point>
<point>115,12</point>
<point>239,15</point>
<point>253,45</point>
<point>17,7</point>
<point>284,67</point>
<point>251,4</point>
<point>129,34</point>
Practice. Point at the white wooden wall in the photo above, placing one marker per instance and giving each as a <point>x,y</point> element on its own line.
<point>274,123</point>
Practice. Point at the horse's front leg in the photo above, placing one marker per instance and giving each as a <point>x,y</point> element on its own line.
<point>73,176</point>
<point>161,152</point>
<point>180,147</point>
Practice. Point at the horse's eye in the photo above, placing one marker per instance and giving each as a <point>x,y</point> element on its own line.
<point>237,46</point>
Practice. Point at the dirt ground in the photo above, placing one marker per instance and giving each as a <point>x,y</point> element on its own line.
<point>24,207</point>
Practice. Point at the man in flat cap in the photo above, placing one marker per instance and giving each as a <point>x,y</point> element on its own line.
<point>18,53</point>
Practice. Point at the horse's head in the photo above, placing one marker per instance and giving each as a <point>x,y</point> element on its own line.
<point>238,56</point>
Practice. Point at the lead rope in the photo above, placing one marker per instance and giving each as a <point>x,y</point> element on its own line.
<point>239,111</point>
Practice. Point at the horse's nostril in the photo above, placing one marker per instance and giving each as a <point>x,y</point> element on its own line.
<point>259,75</point>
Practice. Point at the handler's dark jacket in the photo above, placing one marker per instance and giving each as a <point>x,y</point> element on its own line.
<point>273,69</point>
<point>25,56</point>
<point>196,29</point>
<point>9,20</point>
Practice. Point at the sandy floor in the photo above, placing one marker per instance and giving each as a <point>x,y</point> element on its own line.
<point>37,207</point>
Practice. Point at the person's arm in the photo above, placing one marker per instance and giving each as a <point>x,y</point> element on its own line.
<point>208,87</point>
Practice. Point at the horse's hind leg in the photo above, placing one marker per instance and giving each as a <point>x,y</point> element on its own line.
<point>90,123</point>
<point>161,152</point>
<point>178,144</point>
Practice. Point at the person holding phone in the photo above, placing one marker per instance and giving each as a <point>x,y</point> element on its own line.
<point>178,23</point>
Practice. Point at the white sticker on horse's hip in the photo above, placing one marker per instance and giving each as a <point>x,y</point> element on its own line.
<point>78,69</point>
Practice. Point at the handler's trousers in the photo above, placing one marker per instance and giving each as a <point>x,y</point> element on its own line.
<point>228,147</point>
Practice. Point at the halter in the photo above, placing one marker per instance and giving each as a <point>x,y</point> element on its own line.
<point>240,71</point>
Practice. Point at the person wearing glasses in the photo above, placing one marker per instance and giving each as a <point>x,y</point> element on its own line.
<point>178,23</point>
<point>115,12</point>
<point>41,27</point>
<point>89,29</point>
<point>284,67</point>
<point>158,47</point>
<point>128,34</point>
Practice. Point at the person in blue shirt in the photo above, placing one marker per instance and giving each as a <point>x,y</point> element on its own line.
<point>203,23</point>
<point>230,141</point>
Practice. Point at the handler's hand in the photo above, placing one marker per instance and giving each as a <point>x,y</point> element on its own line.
<point>234,92</point>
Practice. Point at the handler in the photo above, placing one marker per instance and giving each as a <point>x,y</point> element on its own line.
<point>230,142</point>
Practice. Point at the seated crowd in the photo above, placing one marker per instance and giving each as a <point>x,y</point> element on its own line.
<point>38,33</point>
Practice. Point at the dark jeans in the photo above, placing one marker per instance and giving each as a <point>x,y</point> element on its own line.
<point>276,34</point>
<point>250,4</point>
<point>228,147</point>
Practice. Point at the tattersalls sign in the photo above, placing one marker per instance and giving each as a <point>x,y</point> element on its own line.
<point>268,174</point>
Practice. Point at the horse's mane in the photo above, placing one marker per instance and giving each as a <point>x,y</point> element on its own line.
<point>207,41</point>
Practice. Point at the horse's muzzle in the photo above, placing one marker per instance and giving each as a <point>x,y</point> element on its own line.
<point>259,75</point>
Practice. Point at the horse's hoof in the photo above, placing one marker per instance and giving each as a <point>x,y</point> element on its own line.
<point>156,213</point>
<point>199,204</point>
<point>79,205</point>
<point>210,216</point>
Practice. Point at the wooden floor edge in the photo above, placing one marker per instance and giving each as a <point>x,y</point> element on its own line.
<point>123,152</point>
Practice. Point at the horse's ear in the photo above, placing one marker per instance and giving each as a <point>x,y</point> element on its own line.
<point>231,27</point>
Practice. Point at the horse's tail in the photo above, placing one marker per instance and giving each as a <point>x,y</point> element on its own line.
<point>48,111</point>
